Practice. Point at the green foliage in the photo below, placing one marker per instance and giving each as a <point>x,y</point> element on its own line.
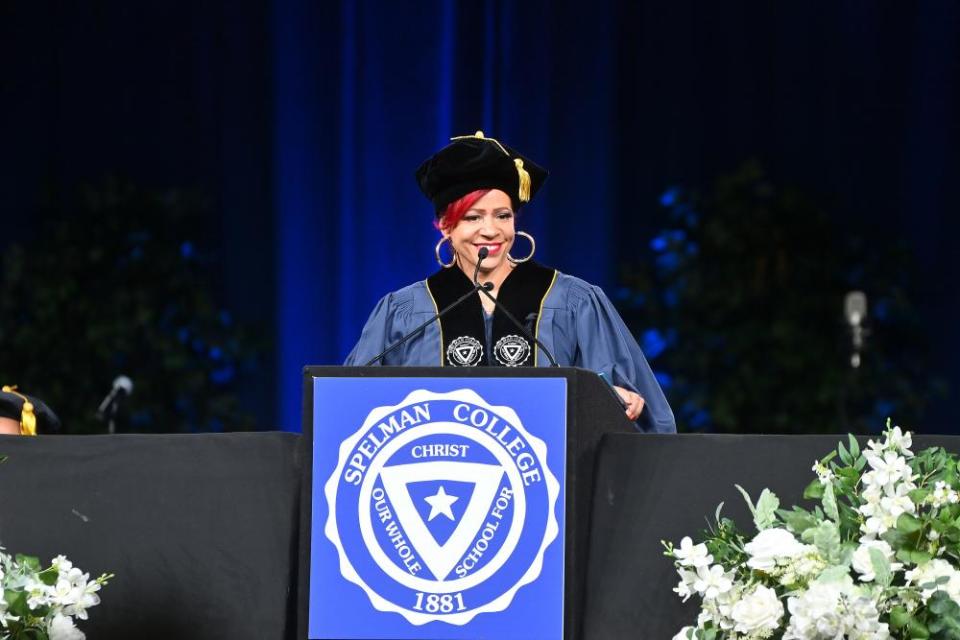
<point>899,618</point>
<point>30,563</point>
<point>945,623</point>
<point>881,568</point>
<point>830,503</point>
<point>745,297</point>
<point>926,529</point>
<point>724,541</point>
<point>764,512</point>
<point>826,537</point>
<point>118,281</point>
<point>797,520</point>
<point>814,490</point>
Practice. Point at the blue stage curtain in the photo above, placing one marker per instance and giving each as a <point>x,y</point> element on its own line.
<point>304,120</point>
<point>364,93</point>
<point>619,100</point>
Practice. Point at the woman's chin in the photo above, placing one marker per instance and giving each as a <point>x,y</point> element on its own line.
<point>492,265</point>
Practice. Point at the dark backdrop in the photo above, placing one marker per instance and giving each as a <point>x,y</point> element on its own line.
<point>305,120</point>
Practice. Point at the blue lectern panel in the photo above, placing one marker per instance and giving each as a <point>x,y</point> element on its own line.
<point>438,508</point>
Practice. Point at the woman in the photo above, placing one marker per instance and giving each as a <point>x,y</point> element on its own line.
<point>477,185</point>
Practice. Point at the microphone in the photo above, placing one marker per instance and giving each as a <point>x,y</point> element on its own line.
<point>485,289</point>
<point>122,387</point>
<point>481,256</point>
<point>477,286</point>
<point>855,310</point>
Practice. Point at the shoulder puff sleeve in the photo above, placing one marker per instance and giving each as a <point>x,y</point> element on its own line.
<point>373,339</point>
<point>606,345</point>
<point>395,316</point>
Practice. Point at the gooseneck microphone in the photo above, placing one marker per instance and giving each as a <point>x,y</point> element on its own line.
<point>477,286</point>
<point>485,289</point>
<point>481,256</point>
<point>855,310</point>
<point>122,388</point>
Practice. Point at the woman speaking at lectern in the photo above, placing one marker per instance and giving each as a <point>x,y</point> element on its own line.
<point>477,185</point>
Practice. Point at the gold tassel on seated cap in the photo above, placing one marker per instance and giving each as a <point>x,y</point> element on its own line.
<point>28,419</point>
<point>524,192</point>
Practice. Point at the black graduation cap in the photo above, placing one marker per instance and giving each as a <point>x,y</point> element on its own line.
<point>475,162</point>
<point>32,414</point>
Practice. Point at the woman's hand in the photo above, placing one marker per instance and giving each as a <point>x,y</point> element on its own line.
<point>633,401</point>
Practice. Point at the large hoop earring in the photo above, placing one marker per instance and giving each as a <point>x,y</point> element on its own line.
<point>436,251</point>
<point>533,248</point>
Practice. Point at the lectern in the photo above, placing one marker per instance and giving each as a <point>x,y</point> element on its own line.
<point>444,503</point>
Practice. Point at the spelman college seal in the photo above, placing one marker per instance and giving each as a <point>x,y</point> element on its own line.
<point>441,507</point>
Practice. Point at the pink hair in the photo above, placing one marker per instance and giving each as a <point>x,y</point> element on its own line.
<point>457,209</point>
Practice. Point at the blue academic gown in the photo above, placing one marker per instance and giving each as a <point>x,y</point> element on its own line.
<point>578,324</point>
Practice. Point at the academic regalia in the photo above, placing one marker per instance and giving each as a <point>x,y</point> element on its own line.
<point>574,320</point>
<point>577,323</point>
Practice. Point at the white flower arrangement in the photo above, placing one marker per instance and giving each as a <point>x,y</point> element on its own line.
<point>877,559</point>
<point>41,604</point>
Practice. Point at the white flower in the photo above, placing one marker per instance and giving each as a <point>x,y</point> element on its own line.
<point>869,481</point>
<point>894,440</point>
<point>716,611</point>
<point>62,628</point>
<point>690,555</point>
<point>900,440</point>
<point>827,611</point>
<point>75,593</point>
<point>898,503</point>
<point>771,545</point>
<point>705,617</point>
<point>862,563</point>
<point>824,474</point>
<point>713,581</point>
<point>724,604</point>
<point>942,494</point>
<point>757,611</point>
<point>878,524</point>
<point>813,613</point>
<point>803,568</point>
<point>684,588</point>
<point>687,633</point>
<point>38,594</point>
<point>863,620</point>
<point>872,495</point>
<point>61,564</point>
<point>928,574</point>
<point>889,469</point>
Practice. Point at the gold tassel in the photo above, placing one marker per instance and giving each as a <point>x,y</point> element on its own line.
<point>524,180</point>
<point>28,419</point>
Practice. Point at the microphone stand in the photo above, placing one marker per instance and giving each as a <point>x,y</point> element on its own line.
<point>108,409</point>
<point>485,290</point>
<point>112,421</point>
<point>477,286</point>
